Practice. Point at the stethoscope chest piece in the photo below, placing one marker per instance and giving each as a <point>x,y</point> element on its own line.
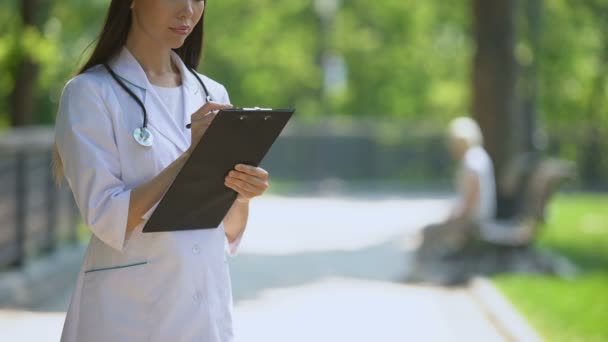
<point>143,136</point>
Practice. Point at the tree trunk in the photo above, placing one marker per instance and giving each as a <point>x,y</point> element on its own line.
<point>22,98</point>
<point>494,79</point>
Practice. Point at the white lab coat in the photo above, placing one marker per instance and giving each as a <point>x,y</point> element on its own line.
<point>172,286</point>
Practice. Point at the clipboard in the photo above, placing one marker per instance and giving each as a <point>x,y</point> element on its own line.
<point>198,198</point>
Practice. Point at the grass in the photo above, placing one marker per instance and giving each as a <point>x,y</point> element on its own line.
<point>569,309</point>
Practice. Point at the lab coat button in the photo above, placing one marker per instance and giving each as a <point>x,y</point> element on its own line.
<point>196,297</point>
<point>196,249</point>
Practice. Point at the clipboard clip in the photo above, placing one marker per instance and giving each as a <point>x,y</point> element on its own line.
<point>244,117</point>
<point>255,108</point>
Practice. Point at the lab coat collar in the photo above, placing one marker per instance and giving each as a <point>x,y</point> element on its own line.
<point>130,71</point>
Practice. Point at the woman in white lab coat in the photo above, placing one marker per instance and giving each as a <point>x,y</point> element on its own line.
<point>171,286</point>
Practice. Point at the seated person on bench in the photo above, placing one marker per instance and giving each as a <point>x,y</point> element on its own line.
<point>476,202</point>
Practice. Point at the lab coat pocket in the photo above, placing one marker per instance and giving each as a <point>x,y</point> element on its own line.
<point>115,303</point>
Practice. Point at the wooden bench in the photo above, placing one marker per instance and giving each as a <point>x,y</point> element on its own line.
<point>509,245</point>
<point>523,229</point>
<point>501,245</point>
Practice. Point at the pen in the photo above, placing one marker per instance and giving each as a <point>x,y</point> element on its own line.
<point>188,126</point>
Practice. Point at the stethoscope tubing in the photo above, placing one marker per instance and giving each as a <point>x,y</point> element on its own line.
<point>130,92</point>
<point>144,128</point>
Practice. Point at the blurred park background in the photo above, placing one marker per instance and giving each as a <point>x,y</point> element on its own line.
<point>374,85</point>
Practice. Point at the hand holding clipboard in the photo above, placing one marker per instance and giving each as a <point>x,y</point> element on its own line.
<point>198,197</point>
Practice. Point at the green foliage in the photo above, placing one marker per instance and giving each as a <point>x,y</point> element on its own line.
<point>570,59</point>
<point>405,59</point>
<point>573,62</point>
<point>569,309</point>
<point>8,56</point>
<point>57,47</point>
<point>264,52</point>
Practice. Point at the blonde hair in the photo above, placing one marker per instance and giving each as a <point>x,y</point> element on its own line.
<point>467,130</point>
<point>57,166</point>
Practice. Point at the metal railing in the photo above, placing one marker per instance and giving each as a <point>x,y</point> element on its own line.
<point>36,215</point>
<point>359,152</point>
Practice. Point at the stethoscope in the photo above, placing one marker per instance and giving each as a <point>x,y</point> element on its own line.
<point>142,134</point>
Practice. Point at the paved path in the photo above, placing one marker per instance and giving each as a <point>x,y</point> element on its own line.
<point>323,269</point>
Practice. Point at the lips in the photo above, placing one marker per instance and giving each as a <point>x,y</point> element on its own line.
<point>183,30</point>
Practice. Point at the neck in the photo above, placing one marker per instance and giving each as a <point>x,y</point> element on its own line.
<point>152,58</point>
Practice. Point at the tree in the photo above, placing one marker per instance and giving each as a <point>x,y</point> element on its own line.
<point>25,74</point>
<point>494,80</point>
<point>405,60</point>
<point>27,69</point>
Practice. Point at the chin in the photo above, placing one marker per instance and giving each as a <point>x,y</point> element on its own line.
<point>175,42</point>
<point>176,45</point>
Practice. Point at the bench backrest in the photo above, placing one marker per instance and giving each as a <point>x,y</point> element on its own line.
<point>545,180</point>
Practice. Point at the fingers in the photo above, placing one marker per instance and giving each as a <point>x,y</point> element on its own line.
<point>249,184</point>
<point>204,120</point>
<point>207,108</point>
<point>257,182</point>
<point>243,188</point>
<point>252,170</point>
<point>245,196</point>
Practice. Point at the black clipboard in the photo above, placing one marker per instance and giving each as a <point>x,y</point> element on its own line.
<point>198,198</point>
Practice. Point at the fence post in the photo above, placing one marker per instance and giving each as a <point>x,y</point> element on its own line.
<point>20,206</point>
<point>51,208</point>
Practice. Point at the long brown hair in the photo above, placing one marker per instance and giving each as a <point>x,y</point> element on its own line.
<point>113,37</point>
